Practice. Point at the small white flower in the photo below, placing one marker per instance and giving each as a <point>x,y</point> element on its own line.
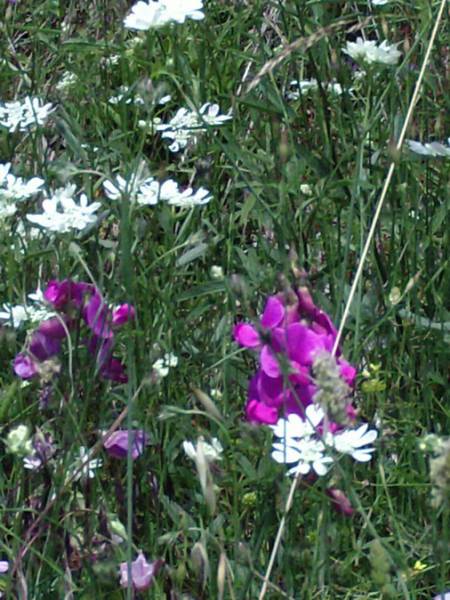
<point>157,13</point>
<point>352,442</point>
<point>88,471</point>
<point>18,441</point>
<point>67,81</point>
<point>126,97</point>
<point>162,366</point>
<point>21,115</point>
<point>62,214</point>
<point>294,427</point>
<point>14,315</point>
<point>186,125</point>
<point>216,272</point>
<point>368,51</point>
<point>14,189</point>
<point>307,85</point>
<point>211,452</point>
<point>306,189</point>
<point>429,149</point>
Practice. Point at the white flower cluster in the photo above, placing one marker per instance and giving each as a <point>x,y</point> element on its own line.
<point>62,214</point>
<point>307,85</point>
<point>14,189</point>
<point>21,115</point>
<point>162,366</point>
<point>184,127</point>
<point>301,446</point>
<point>126,96</point>
<point>149,192</point>
<point>429,149</point>
<point>369,52</point>
<point>16,315</point>
<point>157,13</point>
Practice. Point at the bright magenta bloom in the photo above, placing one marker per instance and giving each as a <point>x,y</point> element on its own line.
<point>292,333</point>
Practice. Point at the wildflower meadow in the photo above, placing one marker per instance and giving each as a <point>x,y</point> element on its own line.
<point>224,300</point>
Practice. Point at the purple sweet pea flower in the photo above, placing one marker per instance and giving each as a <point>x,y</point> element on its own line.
<point>24,366</point>
<point>122,314</point>
<point>62,293</point>
<point>42,346</point>
<point>98,316</point>
<point>142,573</point>
<point>117,444</point>
<point>53,328</point>
<point>114,370</point>
<point>293,332</point>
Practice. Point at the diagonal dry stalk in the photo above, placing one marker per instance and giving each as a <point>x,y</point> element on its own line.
<point>359,270</point>
<point>303,43</point>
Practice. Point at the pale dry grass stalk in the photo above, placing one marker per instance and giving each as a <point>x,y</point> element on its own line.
<point>362,259</point>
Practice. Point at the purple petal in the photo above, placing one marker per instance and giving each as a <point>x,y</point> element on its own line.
<point>52,328</point>
<point>340,502</point>
<point>303,344</point>
<point>270,389</point>
<point>24,366</point>
<point>269,362</point>
<point>42,346</point>
<point>117,444</point>
<point>114,370</point>
<point>257,412</point>
<point>246,335</point>
<point>122,314</point>
<point>348,372</point>
<point>273,313</point>
<point>98,316</point>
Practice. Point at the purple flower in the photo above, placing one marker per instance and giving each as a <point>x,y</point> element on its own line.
<point>24,366</point>
<point>117,444</point>
<point>60,294</point>
<point>292,333</point>
<point>340,502</point>
<point>98,316</point>
<point>114,370</point>
<point>53,328</point>
<point>42,346</point>
<point>142,573</point>
<point>4,566</point>
<point>122,314</point>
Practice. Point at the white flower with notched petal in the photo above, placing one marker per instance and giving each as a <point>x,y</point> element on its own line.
<point>81,470</point>
<point>354,442</point>
<point>62,214</point>
<point>294,427</point>
<point>14,189</point>
<point>305,454</point>
<point>189,198</point>
<point>157,13</point>
<point>21,115</point>
<point>369,52</point>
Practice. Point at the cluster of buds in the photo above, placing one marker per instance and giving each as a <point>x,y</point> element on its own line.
<point>290,342</point>
<point>72,302</point>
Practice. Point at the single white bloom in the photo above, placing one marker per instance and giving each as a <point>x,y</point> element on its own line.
<point>368,51</point>
<point>216,272</point>
<point>14,189</point>
<point>88,471</point>
<point>308,453</point>
<point>211,452</point>
<point>380,2</point>
<point>306,189</point>
<point>429,149</point>
<point>21,115</point>
<point>15,315</point>
<point>62,214</point>
<point>157,13</point>
<point>354,442</point>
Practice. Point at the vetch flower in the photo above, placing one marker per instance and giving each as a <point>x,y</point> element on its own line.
<point>62,214</point>
<point>368,51</point>
<point>211,452</point>
<point>117,444</point>
<point>142,572</point>
<point>21,115</point>
<point>157,13</point>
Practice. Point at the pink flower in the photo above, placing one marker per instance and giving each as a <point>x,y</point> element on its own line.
<point>142,573</point>
<point>4,566</point>
<point>340,502</point>
<point>117,444</point>
<point>24,366</point>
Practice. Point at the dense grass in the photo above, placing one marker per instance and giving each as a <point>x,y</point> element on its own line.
<point>258,225</point>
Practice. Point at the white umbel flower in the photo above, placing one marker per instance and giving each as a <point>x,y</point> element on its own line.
<point>62,214</point>
<point>14,189</point>
<point>211,452</point>
<point>294,427</point>
<point>370,52</point>
<point>21,115</point>
<point>154,14</point>
<point>308,453</point>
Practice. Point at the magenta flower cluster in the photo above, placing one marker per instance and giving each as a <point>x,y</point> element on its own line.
<point>73,302</point>
<point>292,332</point>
